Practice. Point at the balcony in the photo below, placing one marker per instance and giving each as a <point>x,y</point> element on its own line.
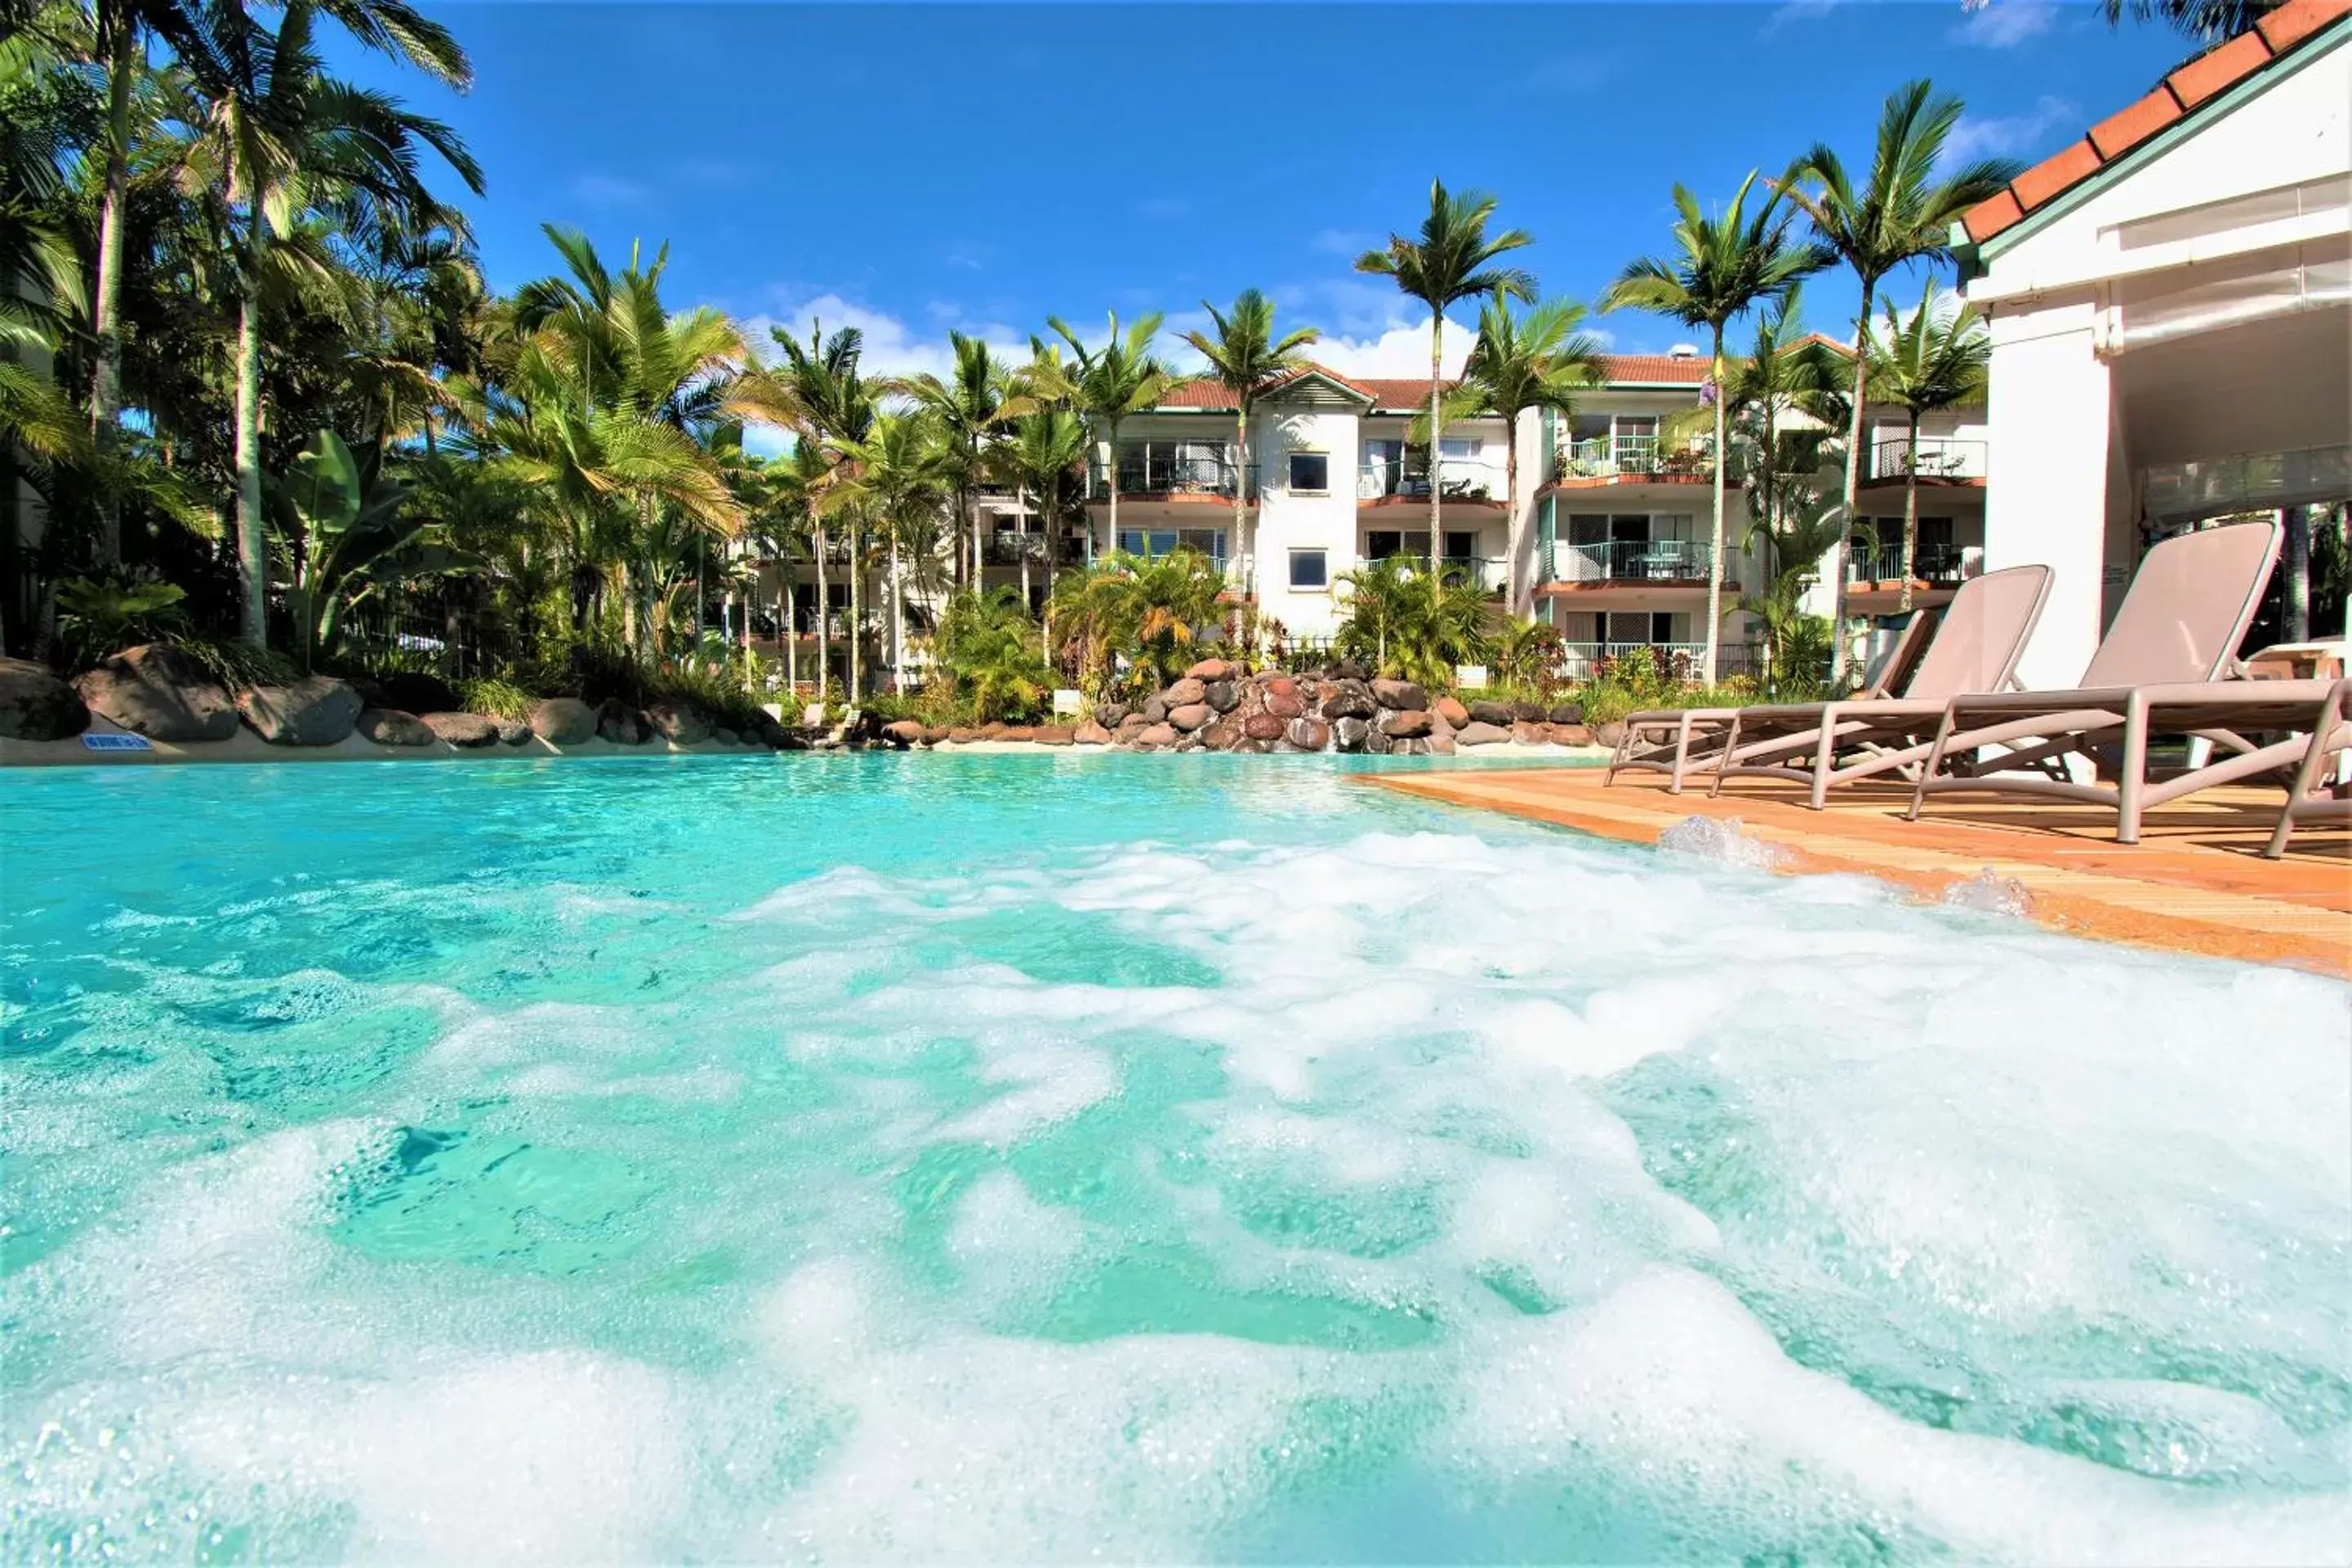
<point>1679,561</point>
<point>1621,458</point>
<point>1489,575</point>
<point>1682,661</point>
<point>1009,549</point>
<point>1940,460</point>
<point>1458,479</point>
<point>1158,470</point>
<point>1938,565</point>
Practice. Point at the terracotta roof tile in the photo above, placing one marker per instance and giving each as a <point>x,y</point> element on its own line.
<point>2217,70</point>
<point>1390,395</point>
<point>2127,128</point>
<point>2181,93</point>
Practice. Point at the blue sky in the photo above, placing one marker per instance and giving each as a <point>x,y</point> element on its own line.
<point>911,169</point>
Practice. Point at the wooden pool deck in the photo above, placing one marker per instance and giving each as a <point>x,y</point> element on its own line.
<point>2195,883</point>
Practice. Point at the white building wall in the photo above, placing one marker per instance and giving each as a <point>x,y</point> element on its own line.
<point>1289,520</point>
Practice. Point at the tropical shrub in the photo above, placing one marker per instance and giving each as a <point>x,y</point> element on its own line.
<point>99,616</point>
<point>989,644</point>
<point>1152,615</point>
<point>1405,621</point>
<point>499,698</point>
<point>1528,659</point>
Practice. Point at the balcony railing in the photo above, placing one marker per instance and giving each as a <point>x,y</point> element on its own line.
<point>1157,472</point>
<point>1939,565</point>
<point>1488,574</point>
<point>1458,479</point>
<point>1682,661</point>
<point>1632,457</point>
<point>1932,457</point>
<point>1627,561</point>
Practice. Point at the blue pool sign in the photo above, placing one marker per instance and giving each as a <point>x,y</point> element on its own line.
<point>93,741</point>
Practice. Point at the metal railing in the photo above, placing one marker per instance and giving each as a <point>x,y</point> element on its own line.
<point>1932,457</point>
<point>1632,457</point>
<point>1683,661</point>
<point>1458,479</point>
<point>1940,564</point>
<point>1149,471</point>
<point>1626,561</point>
<point>1486,573</point>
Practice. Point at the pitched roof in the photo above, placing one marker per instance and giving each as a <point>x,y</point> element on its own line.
<point>1392,395</point>
<point>2191,89</point>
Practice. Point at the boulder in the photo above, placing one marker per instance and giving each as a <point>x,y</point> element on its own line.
<point>315,712</point>
<point>1608,734</point>
<point>1210,669</point>
<point>35,705</point>
<point>1190,717</point>
<point>993,730</point>
<point>1486,711</point>
<point>1284,704</point>
<point>1400,695</point>
<point>1054,735</point>
<point>1090,734</point>
<point>162,693</point>
<point>467,729</point>
<point>1223,695</point>
<point>962,737</point>
<point>1451,709</point>
<point>622,725</point>
<point>1222,736</point>
<point>1567,714</point>
<point>563,721</point>
<point>1309,734</point>
<point>1281,686</point>
<point>1132,724</point>
<point>1478,732</point>
<point>1347,670</point>
<point>679,723</point>
<point>1263,727</point>
<point>413,691</point>
<point>1184,694</point>
<point>1154,737</point>
<point>904,732</point>
<point>1530,714</point>
<point>1155,710</point>
<point>1350,700</point>
<point>1528,734</point>
<point>1405,723</point>
<point>515,733</point>
<point>725,736</point>
<point>934,733</point>
<point>766,729</point>
<point>390,727</point>
<point>1569,734</point>
<point>1110,714</point>
<point>1021,735</point>
<point>1437,745</point>
<point>1353,734</point>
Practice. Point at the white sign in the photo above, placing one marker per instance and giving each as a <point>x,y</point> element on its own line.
<point>1470,677</point>
<point>1067,701</point>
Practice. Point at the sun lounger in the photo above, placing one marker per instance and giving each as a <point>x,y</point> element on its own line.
<point>1982,636</point>
<point>2161,670</point>
<point>2313,795</point>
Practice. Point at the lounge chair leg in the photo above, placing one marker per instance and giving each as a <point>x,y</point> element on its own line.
<point>1928,771</point>
<point>1617,757</point>
<point>2133,773</point>
<point>1723,758</point>
<point>1823,755</point>
<point>1682,753</point>
<point>2323,731</point>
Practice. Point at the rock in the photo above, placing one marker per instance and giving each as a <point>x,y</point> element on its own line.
<point>563,721</point>
<point>993,730</point>
<point>1478,732</point>
<point>1090,734</point>
<point>1486,711</point>
<point>1609,735</point>
<point>725,736</point>
<point>1405,723</point>
<point>1437,745</point>
<point>390,727</point>
<point>1132,724</point>
<point>1110,714</point>
<point>162,693</point>
<point>1223,695</point>
<point>1400,695</point>
<point>1569,734</point>
<point>1213,669</point>
<point>1353,734</point>
<point>934,733</point>
<point>413,692</point>
<point>1351,700</point>
<point>1284,704</point>
<point>622,725</point>
<point>1184,694</point>
<point>1263,727</point>
<point>317,711</point>
<point>1190,717</point>
<point>1451,709</point>
<point>1347,670</point>
<point>515,733</point>
<point>767,729</point>
<point>35,705</point>
<point>678,723</point>
<point>1530,714</point>
<point>962,737</point>
<point>1019,734</point>
<point>1155,710</point>
<point>1528,734</point>
<point>1567,714</point>
<point>905,731</point>
<point>467,729</point>
<point>1156,736</point>
<point>1054,735</point>
<point>1309,734</point>
<point>1281,686</point>
<point>1222,736</point>
<point>1379,745</point>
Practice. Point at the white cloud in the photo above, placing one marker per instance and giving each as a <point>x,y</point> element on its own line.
<point>892,347</point>
<point>1798,11</point>
<point>2005,24</point>
<point>607,191</point>
<point>1998,136</point>
<point>1400,351</point>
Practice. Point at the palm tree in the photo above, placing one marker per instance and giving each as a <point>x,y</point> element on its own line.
<point>2207,21</point>
<point>971,406</point>
<point>1413,624</point>
<point>1902,213</point>
<point>1043,451</point>
<point>1248,361</point>
<point>1539,361</point>
<point>1149,610</point>
<point>1109,384</point>
<point>897,476</point>
<point>1930,360</point>
<point>1786,370</point>
<point>1723,267</point>
<point>1452,260</point>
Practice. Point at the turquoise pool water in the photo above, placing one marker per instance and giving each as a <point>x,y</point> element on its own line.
<point>859,1158</point>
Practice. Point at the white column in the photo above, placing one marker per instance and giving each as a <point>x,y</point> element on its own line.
<point>2046,489</point>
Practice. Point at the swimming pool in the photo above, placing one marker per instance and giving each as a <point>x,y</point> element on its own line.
<point>866,1157</point>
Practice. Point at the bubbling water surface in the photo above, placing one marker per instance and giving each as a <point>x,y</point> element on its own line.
<point>1172,1158</point>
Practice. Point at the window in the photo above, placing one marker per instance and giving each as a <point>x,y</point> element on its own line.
<point>1155,543</point>
<point>1385,542</point>
<point>1464,447</point>
<point>1311,471</point>
<point>1309,569</point>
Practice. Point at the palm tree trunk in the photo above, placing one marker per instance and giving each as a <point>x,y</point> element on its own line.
<point>252,551</point>
<point>1021,499</point>
<point>1839,659</point>
<point>1241,502</point>
<point>1910,514</point>
<point>2295,574</point>
<point>898,621</point>
<point>1114,490</point>
<point>857,604</point>
<point>106,372</point>
<point>787,613</point>
<point>1714,549</point>
<point>1437,435</point>
<point>1771,521</point>
<point>1511,528</point>
<point>823,616</point>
